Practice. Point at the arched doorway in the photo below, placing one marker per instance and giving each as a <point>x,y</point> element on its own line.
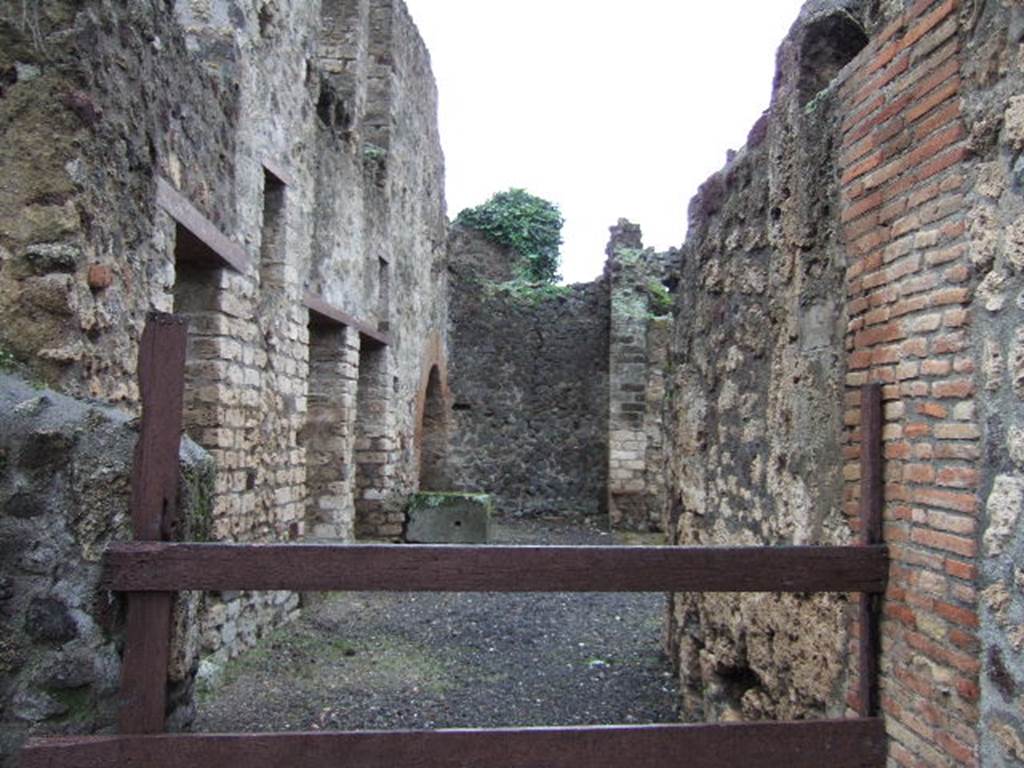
<point>433,435</point>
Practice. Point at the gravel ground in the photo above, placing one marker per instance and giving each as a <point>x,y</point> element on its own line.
<point>413,661</point>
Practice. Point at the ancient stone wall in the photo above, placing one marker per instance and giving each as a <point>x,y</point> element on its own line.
<point>994,106</point>
<point>880,198</point>
<point>529,384</point>
<point>272,170</point>
<point>757,397</point>
<point>65,469</point>
<point>903,171</point>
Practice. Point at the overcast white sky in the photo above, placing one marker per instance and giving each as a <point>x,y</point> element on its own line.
<point>609,109</point>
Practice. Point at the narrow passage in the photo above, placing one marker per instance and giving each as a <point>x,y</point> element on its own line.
<point>412,661</point>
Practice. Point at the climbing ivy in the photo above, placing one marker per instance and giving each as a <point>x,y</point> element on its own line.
<point>529,225</point>
<point>7,360</point>
<point>659,298</point>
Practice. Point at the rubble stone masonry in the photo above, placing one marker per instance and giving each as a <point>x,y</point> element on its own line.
<point>914,122</point>
<point>271,170</point>
<point>529,383</point>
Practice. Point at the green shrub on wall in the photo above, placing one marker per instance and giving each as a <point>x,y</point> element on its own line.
<point>528,225</point>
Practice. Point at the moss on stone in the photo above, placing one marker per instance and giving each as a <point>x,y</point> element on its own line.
<point>78,703</point>
<point>434,499</point>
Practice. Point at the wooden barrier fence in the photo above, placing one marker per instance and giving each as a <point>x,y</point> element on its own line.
<point>150,570</point>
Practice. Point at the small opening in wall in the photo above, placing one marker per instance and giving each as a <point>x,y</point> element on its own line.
<point>383,294</point>
<point>434,435</point>
<point>374,443</point>
<point>197,283</point>
<point>332,110</point>
<point>272,249</point>
<point>829,44</point>
<point>462,407</point>
<point>328,433</point>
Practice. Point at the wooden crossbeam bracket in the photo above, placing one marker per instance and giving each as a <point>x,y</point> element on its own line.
<point>145,566</point>
<point>323,311</point>
<point>808,744</point>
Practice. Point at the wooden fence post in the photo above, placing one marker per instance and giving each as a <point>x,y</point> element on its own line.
<point>161,371</point>
<point>871,497</point>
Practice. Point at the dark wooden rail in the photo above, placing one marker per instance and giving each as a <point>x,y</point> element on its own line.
<point>150,570</point>
<point>824,744</point>
<point>156,567</point>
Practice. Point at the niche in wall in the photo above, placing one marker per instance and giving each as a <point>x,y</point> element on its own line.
<point>828,45</point>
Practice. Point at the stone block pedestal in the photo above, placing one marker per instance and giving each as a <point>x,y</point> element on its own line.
<point>449,518</point>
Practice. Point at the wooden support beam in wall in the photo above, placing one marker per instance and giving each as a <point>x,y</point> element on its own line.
<point>202,241</point>
<point>322,310</point>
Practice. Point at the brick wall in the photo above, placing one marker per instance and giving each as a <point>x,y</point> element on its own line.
<point>903,146</point>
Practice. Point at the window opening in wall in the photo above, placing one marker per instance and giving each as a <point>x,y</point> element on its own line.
<point>433,431</point>
<point>383,295</point>
<point>829,44</point>
<point>272,249</point>
<point>197,282</point>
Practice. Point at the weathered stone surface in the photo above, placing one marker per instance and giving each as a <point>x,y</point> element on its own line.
<point>331,184</point>
<point>639,283</point>
<point>1005,503</point>
<point>756,392</point>
<point>48,620</point>
<point>995,84</point>
<point>449,518</point>
<point>529,381</point>
<point>557,392</point>
<point>65,497</point>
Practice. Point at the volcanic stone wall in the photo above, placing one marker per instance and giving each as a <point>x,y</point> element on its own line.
<point>65,468</point>
<point>529,387</point>
<point>993,107</point>
<point>757,396</point>
<point>272,171</point>
<point>867,233</point>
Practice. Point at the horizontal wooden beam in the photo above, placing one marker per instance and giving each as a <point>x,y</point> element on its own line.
<point>811,744</point>
<point>325,311</point>
<point>205,242</point>
<point>155,566</point>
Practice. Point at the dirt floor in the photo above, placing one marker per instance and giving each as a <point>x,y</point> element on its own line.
<point>412,661</point>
